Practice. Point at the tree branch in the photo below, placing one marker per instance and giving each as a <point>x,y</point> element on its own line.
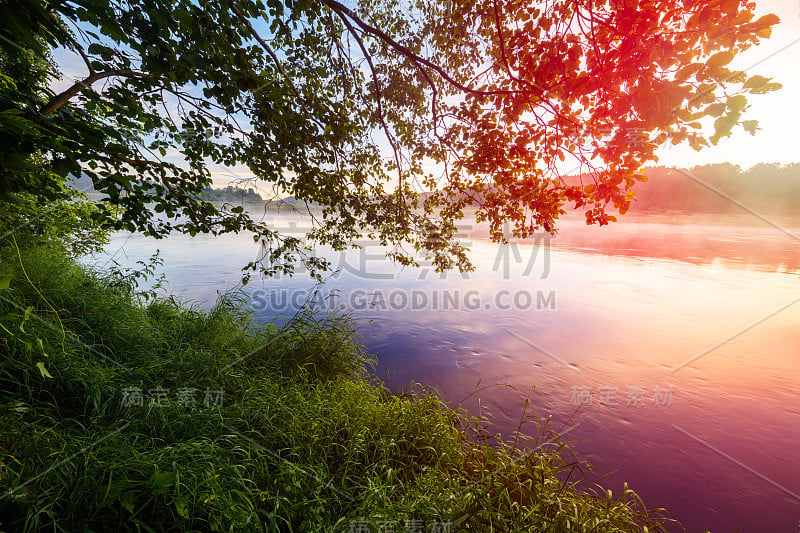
<point>343,11</point>
<point>503,55</point>
<point>60,99</point>
<point>75,45</point>
<point>264,45</point>
<point>378,101</point>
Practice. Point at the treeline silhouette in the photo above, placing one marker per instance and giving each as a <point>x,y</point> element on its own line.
<point>232,194</point>
<point>766,187</point>
<point>713,189</point>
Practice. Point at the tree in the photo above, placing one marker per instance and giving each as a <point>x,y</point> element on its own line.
<point>43,210</point>
<point>475,103</point>
<point>232,194</point>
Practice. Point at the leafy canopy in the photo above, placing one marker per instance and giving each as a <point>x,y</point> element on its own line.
<point>361,107</point>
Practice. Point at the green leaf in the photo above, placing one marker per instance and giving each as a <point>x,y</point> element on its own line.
<point>767,88</point>
<point>5,282</point>
<point>160,481</point>
<point>28,312</point>
<point>128,501</point>
<point>182,506</point>
<point>42,370</point>
<point>750,126</point>
<point>755,81</point>
<point>715,110</point>
<point>736,77</point>
<point>737,103</point>
<point>724,125</point>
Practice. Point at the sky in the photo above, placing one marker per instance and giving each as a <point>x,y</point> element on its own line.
<point>778,112</point>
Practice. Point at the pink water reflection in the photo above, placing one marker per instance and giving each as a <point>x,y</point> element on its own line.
<point>723,453</point>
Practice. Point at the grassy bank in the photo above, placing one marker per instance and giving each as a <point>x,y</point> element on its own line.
<point>125,414</point>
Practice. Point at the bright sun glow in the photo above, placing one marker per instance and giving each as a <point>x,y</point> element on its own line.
<point>778,113</point>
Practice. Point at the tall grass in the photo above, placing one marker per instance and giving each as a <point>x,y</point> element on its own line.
<point>286,432</point>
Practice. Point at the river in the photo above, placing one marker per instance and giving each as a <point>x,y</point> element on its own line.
<point>665,349</point>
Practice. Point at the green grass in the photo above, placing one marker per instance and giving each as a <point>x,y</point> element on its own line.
<point>299,439</point>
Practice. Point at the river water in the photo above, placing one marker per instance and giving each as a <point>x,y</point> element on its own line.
<point>665,349</point>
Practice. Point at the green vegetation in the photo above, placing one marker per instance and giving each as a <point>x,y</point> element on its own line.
<point>284,433</point>
<point>232,194</point>
<point>66,222</point>
<point>360,106</point>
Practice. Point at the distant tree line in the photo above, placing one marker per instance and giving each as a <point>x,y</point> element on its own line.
<point>766,187</point>
<point>232,194</point>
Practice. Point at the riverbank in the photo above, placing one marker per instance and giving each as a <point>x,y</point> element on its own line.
<point>131,412</point>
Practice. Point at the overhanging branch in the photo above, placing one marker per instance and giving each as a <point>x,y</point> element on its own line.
<point>344,12</point>
<point>60,99</point>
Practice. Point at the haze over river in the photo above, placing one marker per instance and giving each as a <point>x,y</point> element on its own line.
<point>666,350</point>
